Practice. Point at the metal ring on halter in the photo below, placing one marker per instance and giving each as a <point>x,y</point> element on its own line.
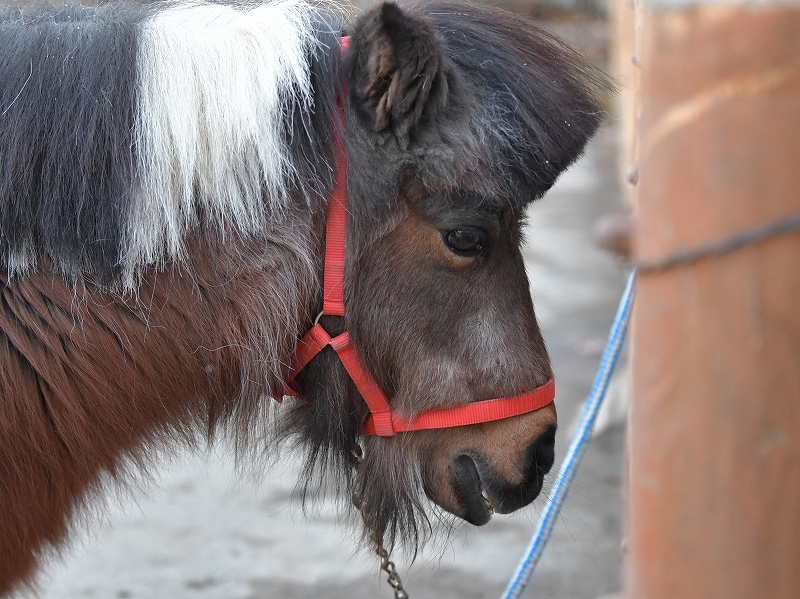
<point>316,320</point>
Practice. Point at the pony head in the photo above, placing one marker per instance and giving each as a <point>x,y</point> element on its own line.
<point>458,117</point>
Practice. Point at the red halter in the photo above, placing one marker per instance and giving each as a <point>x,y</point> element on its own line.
<point>382,420</point>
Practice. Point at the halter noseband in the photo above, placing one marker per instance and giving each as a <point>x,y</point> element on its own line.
<point>383,421</point>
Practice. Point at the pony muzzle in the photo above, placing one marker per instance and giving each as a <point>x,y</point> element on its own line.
<point>474,485</point>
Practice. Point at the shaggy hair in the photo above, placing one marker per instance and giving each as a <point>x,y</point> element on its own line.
<point>119,124</point>
<point>163,178</point>
<point>66,118</point>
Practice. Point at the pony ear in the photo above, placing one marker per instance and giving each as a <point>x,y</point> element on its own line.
<point>395,71</point>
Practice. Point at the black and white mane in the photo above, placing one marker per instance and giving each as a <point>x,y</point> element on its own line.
<point>123,127</point>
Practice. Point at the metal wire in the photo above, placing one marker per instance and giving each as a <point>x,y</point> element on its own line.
<point>569,466</point>
<point>717,247</point>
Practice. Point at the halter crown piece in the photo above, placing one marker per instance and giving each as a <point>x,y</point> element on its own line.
<point>382,420</point>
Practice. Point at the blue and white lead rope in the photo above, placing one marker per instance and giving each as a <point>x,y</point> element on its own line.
<point>577,447</point>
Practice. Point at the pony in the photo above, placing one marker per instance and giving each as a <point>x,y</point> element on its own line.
<point>165,175</point>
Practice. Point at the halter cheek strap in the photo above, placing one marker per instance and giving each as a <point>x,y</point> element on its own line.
<point>382,420</point>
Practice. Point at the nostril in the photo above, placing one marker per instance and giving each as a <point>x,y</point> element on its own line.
<point>541,454</point>
<point>538,459</point>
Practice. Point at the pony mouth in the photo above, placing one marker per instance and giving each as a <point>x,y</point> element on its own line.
<point>480,493</point>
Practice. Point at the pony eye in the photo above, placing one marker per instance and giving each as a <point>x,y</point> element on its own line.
<point>466,241</point>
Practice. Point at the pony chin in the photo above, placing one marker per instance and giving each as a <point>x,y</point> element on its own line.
<point>388,490</point>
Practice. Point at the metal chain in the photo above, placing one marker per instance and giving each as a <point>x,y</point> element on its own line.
<point>387,565</point>
<point>394,578</point>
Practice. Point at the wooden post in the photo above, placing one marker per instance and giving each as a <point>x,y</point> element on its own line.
<point>623,68</point>
<point>714,490</point>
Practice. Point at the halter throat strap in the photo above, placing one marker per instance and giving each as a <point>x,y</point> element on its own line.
<point>383,421</point>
